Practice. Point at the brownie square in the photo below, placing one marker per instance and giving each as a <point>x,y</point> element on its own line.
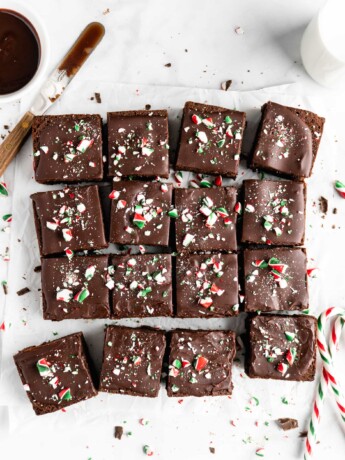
<point>275,279</point>
<point>142,286</point>
<point>56,374</point>
<point>200,363</point>
<point>210,139</point>
<point>75,288</point>
<point>139,213</point>
<point>67,148</point>
<point>206,220</point>
<point>274,212</point>
<point>287,141</point>
<point>69,218</point>
<point>282,347</point>
<point>206,285</point>
<point>138,143</point>
<point>132,361</point>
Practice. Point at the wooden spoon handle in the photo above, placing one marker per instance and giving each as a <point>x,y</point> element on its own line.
<point>11,145</point>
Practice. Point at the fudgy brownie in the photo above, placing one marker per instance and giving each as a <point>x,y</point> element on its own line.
<point>75,288</point>
<point>275,279</point>
<point>287,141</point>
<point>139,213</point>
<point>142,286</point>
<point>206,285</point>
<point>210,139</point>
<point>56,374</point>
<point>138,143</point>
<point>70,218</point>
<point>205,219</point>
<point>282,347</point>
<point>132,361</point>
<point>67,148</point>
<point>274,212</point>
<point>200,363</point>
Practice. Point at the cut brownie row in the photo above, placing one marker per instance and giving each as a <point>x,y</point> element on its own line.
<point>68,148</point>
<point>205,218</point>
<point>206,285</point>
<point>58,374</point>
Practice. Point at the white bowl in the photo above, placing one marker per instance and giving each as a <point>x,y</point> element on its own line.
<point>38,25</point>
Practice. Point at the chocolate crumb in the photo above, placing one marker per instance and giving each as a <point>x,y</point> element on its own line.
<point>186,51</point>
<point>6,127</point>
<point>303,434</point>
<point>168,64</point>
<point>287,423</point>
<point>147,107</point>
<point>118,432</point>
<point>37,269</point>
<point>335,211</point>
<point>98,98</point>
<point>323,204</point>
<point>105,12</point>
<point>23,291</point>
<point>212,450</point>
<point>225,85</point>
<point>5,288</point>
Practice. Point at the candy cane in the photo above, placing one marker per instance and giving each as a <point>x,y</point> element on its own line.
<point>328,379</point>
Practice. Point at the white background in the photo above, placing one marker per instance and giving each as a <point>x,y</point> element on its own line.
<point>141,37</point>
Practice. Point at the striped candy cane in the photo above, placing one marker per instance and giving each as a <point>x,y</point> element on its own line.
<point>328,379</point>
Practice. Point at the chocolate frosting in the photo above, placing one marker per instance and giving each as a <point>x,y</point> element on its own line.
<point>132,361</point>
<point>210,139</point>
<point>138,143</point>
<point>155,203</point>
<point>67,148</point>
<point>269,345</point>
<point>221,235</point>
<point>281,204</point>
<point>206,285</point>
<point>266,289</point>
<point>75,209</point>
<point>63,278</point>
<point>68,369</point>
<point>142,286</point>
<point>284,143</point>
<point>200,363</point>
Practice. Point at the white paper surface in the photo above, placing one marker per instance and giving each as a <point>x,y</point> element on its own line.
<point>187,429</point>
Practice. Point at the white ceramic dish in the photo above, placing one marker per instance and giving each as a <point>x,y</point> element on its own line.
<point>39,27</point>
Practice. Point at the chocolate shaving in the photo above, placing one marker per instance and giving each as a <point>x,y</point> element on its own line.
<point>168,64</point>
<point>226,85</point>
<point>303,434</point>
<point>37,269</point>
<point>212,450</point>
<point>287,423</point>
<point>323,204</point>
<point>5,288</point>
<point>147,107</point>
<point>98,98</point>
<point>335,211</point>
<point>118,432</point>
<point>23,291</point>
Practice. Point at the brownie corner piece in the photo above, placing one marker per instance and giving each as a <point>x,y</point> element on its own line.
<point>206,285</point>
<point>69,218</point>
<point>142,286</point>
<point>139,213</point>
<point>274,212</point>
<point>200,363</point>
<point>206,220</point>
<point>138,143</point>
<point>210,139</point>
<point>275,279</point>
<point>56,374</point>
<point>132,361</point>
<point>287,141</point>
<point>75,288</point>
<point>67,148</point>
<point>282,347</point>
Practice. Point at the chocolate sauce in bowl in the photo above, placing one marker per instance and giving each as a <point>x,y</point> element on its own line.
<point>19,51</point>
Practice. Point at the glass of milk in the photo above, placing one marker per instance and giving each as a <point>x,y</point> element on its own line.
<point>323,45</point>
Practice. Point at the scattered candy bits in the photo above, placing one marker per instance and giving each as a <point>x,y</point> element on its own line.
<point>340,188</point>
<point>260,452</point>
<point>148,451</point>
<point>3,189</point>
